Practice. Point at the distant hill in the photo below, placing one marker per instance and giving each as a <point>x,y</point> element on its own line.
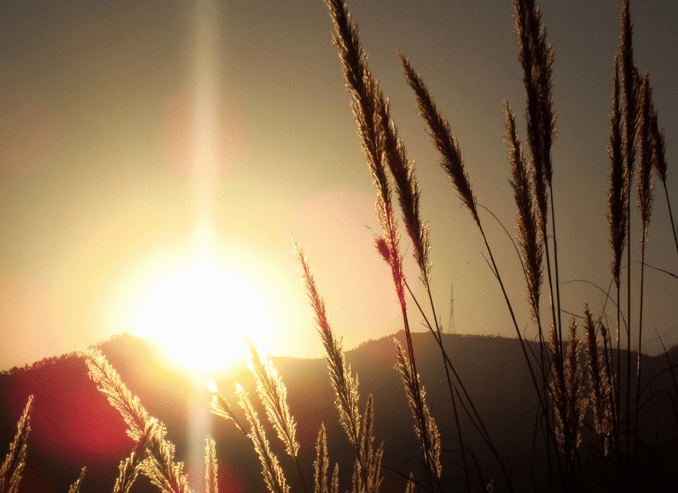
<point>73,425</point>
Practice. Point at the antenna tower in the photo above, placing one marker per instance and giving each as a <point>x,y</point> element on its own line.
<point>451,329</point>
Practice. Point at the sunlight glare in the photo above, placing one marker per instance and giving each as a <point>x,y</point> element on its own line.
<point>202,315</point>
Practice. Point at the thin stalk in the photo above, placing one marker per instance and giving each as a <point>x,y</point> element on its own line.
<point>438,337</point>
<point>425,439</point>
<point>645,199</point>
<point>517,329</point>
<point>478,425</point>
<point>673,225</point>
<point>628,83</point>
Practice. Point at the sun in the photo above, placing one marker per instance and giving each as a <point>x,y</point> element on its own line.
<point>203,315</point>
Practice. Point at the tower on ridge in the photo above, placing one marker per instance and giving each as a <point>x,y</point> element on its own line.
<point>451,329</point>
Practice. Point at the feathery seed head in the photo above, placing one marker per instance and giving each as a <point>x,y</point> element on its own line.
<point>530,242</point>
<point>211,466</point>
<point>15,460</point>
<point>645,187</point>
<point>445,142</point>
<point>273,394</point>
<point>617,194</point>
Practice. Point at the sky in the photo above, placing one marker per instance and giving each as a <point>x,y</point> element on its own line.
<point>130,132</point>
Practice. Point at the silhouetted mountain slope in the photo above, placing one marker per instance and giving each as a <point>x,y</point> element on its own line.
<point>73,425</point>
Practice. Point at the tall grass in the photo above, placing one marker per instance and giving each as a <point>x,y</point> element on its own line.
<point>583,394</point>
<point>15,460</point>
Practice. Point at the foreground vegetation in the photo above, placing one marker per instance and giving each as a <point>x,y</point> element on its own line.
<point>586,394</point>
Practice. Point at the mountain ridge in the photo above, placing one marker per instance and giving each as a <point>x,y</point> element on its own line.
<point>74,426</point>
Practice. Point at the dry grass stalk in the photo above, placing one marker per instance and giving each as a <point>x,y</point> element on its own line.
<point>211,466</point>
<point>274,475</point>
<point>75,487</point>
<point>617,215</point>
<point>408,191</point>
<point>255,433</point>
<point>601,392</point>
<point>160,467</point>
<point>531,245</point>
<point>659,163</point>
<point>629,75</point>
<point>409,488</point>
<point>108,383</point>
<point>445,142</point>
<point>130,468</point>
<point>425,426</point>
<point>273,394</point>
<point>367,472</point>
<point>536,57</point>
<point>452,162</point>
<point>659,145</point>
<point>345,386</point>
<point>15,460</point>
<point>617,195</point>
<point>370,111</point>
<point>567,392</point>
<point>645,195</point>
<point>645,198</point>
<point>530,241</point>
<point>321,464</point>
<point>334,485</point>
<point>220,407</point>
<point>383,150</point>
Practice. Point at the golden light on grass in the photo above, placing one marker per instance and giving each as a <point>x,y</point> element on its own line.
<point>201,314</point>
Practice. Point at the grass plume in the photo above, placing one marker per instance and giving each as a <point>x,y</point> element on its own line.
<point>75,487</point>
<point>367,475</point>
<point>273,394</point>
<point>660,166</point>
<point>569,404</point>
<point>109,383</point>
<point>274,475</point>
<point>425,425</point>
<point>160,467</point>
<point>130,468</point>
<point>531,245</point>
<point>321,464</point>
<point>344,384</point>
<point>445,142</point>
<point>601,390</point>
<point>15,460</point>
<point>211,466</point>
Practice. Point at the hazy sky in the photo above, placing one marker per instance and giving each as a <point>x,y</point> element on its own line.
<point>101,102</point>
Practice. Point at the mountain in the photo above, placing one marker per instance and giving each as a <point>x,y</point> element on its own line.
<point>74,426</point>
